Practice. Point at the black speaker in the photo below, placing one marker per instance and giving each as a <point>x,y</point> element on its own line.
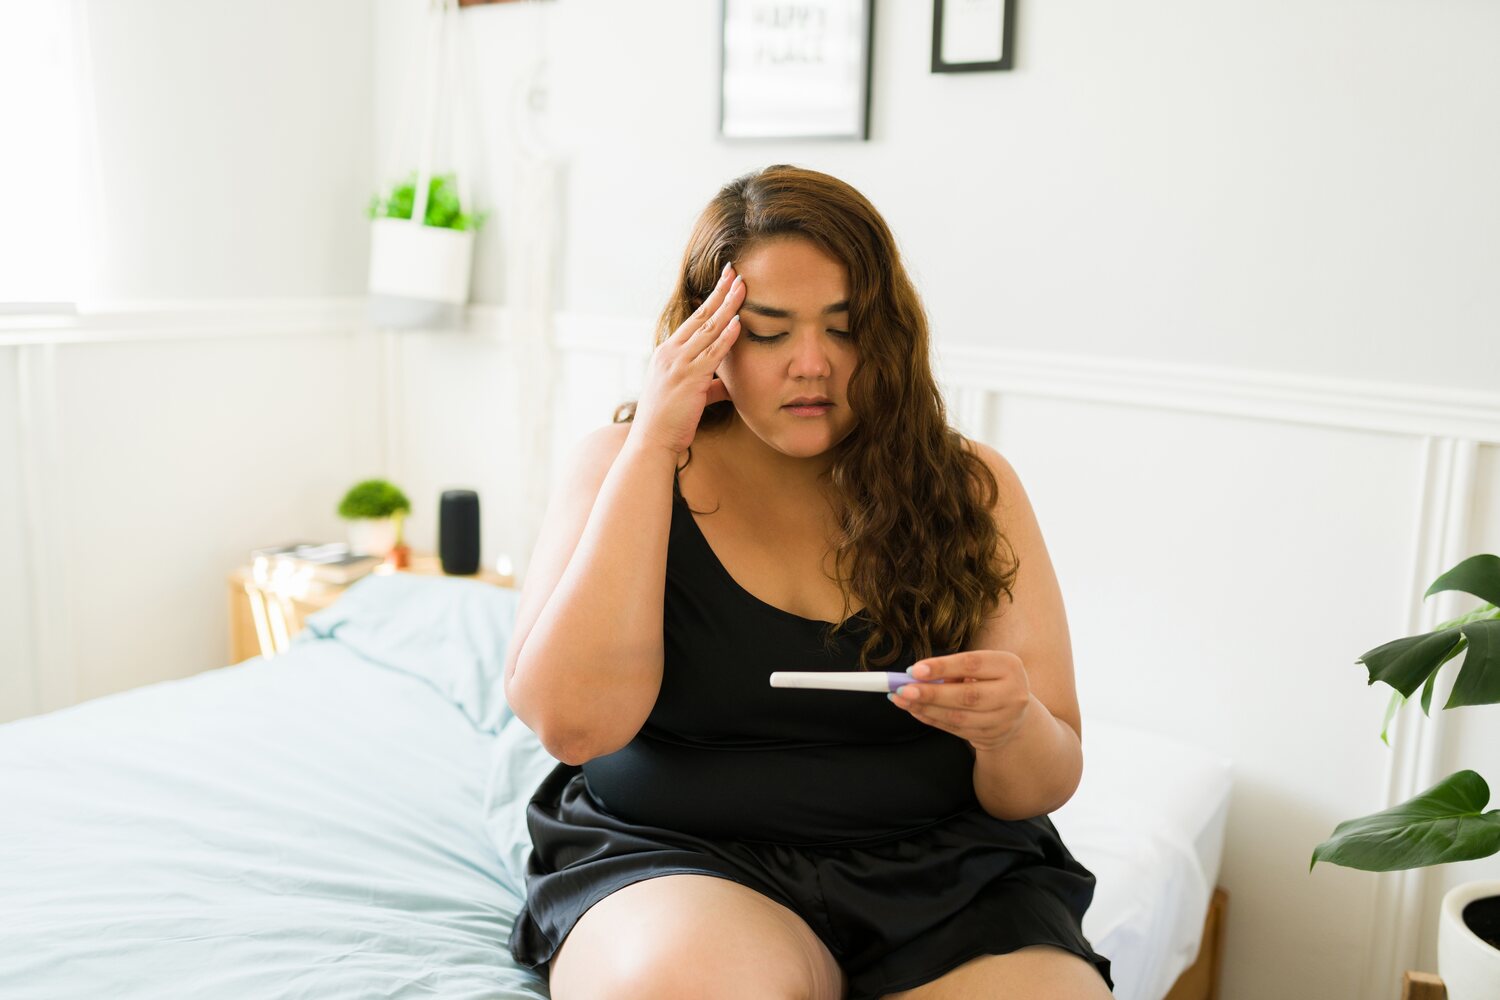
<point>458,532</point>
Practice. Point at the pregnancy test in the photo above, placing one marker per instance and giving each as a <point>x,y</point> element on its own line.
<point>844,680</point>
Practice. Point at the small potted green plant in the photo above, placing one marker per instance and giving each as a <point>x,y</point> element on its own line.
<point>1448,821</point>
<point>375,510</point>
<point>421,251</point>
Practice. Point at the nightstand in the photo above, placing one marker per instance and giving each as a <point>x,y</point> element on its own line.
<point>263,622</point>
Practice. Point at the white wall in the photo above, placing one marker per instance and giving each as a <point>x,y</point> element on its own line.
<point>1291,186</point>
<point>233,147</point>
<point>190,417</point>
<point>1296,188</point>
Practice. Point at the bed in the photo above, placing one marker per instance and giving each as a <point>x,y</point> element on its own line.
<point>347,820</point>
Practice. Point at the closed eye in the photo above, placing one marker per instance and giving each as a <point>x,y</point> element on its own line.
<point>766,340</point>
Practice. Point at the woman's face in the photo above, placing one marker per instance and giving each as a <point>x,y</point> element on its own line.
<point>794,341</point>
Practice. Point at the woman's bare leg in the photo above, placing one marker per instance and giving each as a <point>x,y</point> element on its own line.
<point>693,936</point>
<point>1036,972</point>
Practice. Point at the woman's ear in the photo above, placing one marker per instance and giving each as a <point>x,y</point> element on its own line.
<point>718,392</point>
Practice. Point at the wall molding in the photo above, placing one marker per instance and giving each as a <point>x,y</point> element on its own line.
<point>1442,536</point>
<point>1435,411</point>
<point>191,319</point>
<point>54,675</point>
<point>1352,404</point>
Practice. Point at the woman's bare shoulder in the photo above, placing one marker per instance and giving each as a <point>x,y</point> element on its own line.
<point>1002,469</point>
<point>604,444</point>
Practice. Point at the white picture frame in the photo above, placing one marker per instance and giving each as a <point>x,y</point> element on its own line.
<point>795,70</point>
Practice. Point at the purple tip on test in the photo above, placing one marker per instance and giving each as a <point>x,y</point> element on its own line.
<point>896,680</point>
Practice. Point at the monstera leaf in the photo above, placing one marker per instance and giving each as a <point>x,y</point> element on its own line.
<point>1445,823</point>
<point>1407,663</point>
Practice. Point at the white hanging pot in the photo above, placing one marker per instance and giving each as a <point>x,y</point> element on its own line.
<point>419,275</point>
<point>1468,964</point>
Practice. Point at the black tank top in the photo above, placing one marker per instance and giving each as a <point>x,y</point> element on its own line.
<point>725,755</point>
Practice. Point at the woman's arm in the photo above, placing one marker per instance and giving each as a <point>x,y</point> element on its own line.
<point>585,663</point>
<point>1023,722</point>
<point>1033,774</point>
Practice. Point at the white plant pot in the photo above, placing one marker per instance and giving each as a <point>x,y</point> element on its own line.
<point>419,275</point>
<point>372,536</point>
<point>1468,965</point>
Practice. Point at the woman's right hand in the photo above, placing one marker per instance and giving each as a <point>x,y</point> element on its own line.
<point>680,380</point>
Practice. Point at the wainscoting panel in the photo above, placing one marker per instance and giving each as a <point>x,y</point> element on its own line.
<point>459,428</point>
<point>17,682</point>
<point>145,452</point>
<point>1469,740</point>
<point>1221,575</point>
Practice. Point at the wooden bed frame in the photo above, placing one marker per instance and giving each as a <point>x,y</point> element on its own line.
<point>1422,986</point>
<point>1200,981</point>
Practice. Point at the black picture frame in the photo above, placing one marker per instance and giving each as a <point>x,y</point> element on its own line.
<point>861,131</point>
<point>1007,42</point>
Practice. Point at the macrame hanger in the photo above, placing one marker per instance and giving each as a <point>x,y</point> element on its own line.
<point>460,118</point>
<point>446,97</point>
<point>437,14</point>
<point>465,123</point>
<point>530,94</point>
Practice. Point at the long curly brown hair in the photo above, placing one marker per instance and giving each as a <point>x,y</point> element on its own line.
<point>913,501</point>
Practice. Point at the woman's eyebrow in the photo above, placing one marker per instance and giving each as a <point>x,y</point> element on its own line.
<point>775,313</point>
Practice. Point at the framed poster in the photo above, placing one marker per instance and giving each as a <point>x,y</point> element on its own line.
<point>970,35</point>
<point>796,69</point>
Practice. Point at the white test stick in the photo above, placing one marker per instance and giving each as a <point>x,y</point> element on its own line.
<point>883,682</point>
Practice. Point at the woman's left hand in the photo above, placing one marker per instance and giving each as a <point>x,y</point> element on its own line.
<point>983,697</point>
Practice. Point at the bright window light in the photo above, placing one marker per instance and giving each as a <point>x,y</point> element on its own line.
<point>43,255</point>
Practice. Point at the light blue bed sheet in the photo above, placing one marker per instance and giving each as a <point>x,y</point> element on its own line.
<point>348,820</point>
<point>345,820</point>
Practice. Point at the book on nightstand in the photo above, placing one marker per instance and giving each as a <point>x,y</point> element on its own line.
<point>330,562</point>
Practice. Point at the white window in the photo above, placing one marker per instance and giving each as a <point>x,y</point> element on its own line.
<point>44,256</point>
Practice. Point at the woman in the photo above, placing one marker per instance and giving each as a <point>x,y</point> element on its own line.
<point>707,835</point>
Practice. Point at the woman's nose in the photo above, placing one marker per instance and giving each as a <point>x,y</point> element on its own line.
<point>810,356</point>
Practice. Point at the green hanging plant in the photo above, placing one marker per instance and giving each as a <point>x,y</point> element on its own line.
<point>443,208</point>
<point>1447,822</point>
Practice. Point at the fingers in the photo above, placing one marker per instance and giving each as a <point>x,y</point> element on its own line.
<point>720,344</point>
<point>707,307</point>
<point>969,696</point>
<point>983,664</point>
<point>705,336</point>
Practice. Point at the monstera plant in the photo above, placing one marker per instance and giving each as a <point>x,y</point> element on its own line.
<point>1447,822</point>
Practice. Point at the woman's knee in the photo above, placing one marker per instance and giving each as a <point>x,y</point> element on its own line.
<point>692,936</point>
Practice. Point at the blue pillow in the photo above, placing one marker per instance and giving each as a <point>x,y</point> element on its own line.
<point>451,632</point>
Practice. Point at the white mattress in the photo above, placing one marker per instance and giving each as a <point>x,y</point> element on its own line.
<point>1148,820</point>
<point>347,820</point>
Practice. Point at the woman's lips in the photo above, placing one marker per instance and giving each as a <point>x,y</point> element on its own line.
<point>810,409</point>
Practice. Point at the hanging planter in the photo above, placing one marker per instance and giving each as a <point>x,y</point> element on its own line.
<point>419,273</point>
<point>422,232</point>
